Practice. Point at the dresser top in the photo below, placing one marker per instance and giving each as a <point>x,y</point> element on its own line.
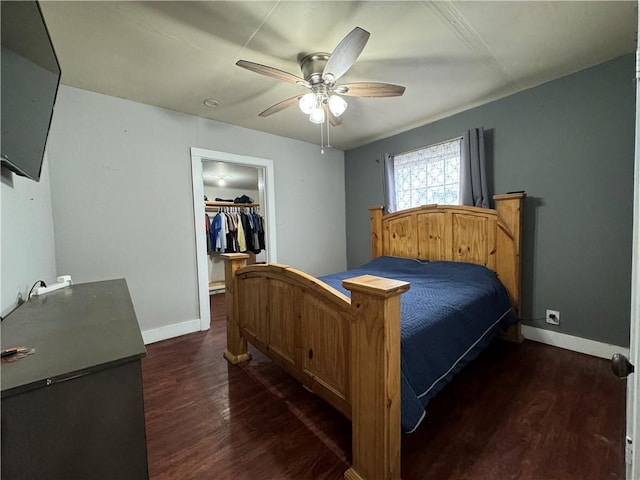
<point>75,331</point>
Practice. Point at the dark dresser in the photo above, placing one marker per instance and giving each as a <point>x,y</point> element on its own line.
<point>74,409</point>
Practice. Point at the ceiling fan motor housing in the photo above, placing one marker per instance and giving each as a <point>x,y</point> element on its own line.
<point>312,67</point>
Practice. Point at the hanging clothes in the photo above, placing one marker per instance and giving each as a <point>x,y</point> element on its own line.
<point>235,229</point>
<point>207,228</point>
<point>242,241</point>
<point>232,233</point>
<point>255,225</point>
<point>261,240</point>
<point>219,233</point>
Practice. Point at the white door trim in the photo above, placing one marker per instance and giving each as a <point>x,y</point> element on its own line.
<point>199,155</point>
<point>633,394</point>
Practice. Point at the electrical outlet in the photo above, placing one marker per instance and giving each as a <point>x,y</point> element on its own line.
<point>553,317</point>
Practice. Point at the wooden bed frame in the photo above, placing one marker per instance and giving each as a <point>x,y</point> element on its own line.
<point>348,350</point>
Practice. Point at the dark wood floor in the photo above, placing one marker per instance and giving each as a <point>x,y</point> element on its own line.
<point>526,412</point>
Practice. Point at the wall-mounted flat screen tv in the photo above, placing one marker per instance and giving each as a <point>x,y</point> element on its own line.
<point>30,77</point>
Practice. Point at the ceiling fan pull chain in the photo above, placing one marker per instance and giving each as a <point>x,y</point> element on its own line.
<point>328,139</point>
<point>321,140</point>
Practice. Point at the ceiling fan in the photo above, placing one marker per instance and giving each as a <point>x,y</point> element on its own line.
<point>320,73</point>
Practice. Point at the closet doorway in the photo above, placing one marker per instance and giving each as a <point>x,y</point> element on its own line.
<point>228,176</point>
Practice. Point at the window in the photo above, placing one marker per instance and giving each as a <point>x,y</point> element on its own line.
<point>428,175</point>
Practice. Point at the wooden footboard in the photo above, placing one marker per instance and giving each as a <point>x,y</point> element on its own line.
<point>345,350</point>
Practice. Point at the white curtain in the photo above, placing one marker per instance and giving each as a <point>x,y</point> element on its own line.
<point>473,176</point>
<point>389,185</point>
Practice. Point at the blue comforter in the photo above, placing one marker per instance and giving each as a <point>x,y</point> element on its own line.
<point>450,313</point>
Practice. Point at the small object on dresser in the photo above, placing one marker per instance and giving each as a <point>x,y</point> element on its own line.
<point>12,354</point>
<point>7,352</point>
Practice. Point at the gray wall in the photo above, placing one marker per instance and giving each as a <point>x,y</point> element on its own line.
<point>569,144</point>
<point>27,244</point>
<point>123,203</point>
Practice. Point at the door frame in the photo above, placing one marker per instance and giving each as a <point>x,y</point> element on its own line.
<point>199,155</point>
<point>632,452</point>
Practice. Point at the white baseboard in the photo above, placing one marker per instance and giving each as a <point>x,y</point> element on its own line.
<point>569,342</point>
<point>548,337</point>
<point>170,331</point>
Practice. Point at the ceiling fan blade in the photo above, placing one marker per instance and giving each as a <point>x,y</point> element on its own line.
<point>280,106</point>
<point>346,53</point>
<point>271,72</point>
<point>370,89</point>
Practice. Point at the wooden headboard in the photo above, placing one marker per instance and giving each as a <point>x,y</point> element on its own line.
<point>457,233</point>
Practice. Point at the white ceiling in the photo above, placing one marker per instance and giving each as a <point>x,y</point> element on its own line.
<point>450,56</point>
<point>235,176</point>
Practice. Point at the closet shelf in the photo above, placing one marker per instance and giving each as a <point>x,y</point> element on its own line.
<point>229,204</point>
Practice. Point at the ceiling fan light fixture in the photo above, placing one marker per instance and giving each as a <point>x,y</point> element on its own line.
<point>308,102</point>
<point>337,105</point>
<point>317,115</point>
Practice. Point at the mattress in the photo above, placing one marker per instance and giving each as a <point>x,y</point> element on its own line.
<point>449,315</point>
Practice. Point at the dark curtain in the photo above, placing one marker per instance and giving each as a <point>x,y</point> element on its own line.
<point>473,176</point>
<point>389,186</point>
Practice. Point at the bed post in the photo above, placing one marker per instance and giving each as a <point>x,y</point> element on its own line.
<point>375,214</point>
<point>509,247</point>
<point>375,378</point>
<point>236,350</point>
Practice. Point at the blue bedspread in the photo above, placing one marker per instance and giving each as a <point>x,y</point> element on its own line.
<point>450,313</point>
